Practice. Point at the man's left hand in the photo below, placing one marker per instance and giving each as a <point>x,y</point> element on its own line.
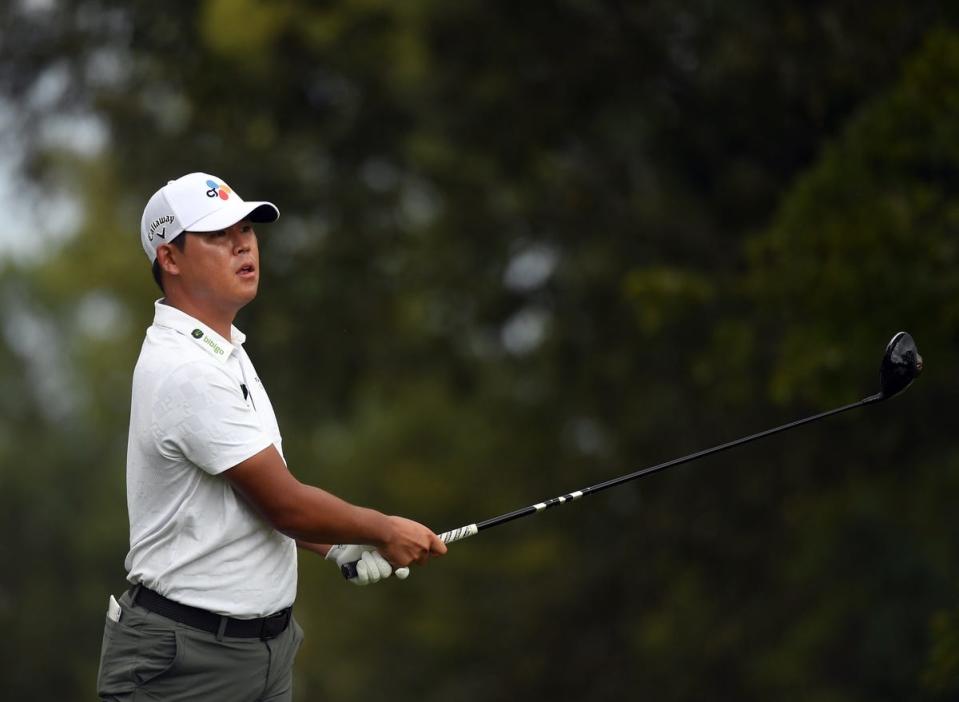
<point>371,567</point>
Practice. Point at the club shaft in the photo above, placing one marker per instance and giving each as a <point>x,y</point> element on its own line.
<point>468,530</point>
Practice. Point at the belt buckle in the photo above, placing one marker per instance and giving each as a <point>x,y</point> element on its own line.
<point>275,624</point>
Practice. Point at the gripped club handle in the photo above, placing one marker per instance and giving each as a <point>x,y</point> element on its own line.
<point>447,537</point>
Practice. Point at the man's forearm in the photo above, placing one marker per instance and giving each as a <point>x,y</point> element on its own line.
<point>314,516</point>
<point>321,549</point>
<point>317,517</point>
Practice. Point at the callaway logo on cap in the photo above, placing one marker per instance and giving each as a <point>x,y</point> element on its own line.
<point>197,202</point>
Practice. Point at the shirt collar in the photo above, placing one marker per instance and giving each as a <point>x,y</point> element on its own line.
<point>199,333</point>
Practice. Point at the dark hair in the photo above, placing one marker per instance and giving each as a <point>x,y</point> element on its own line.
<point>180,243</point>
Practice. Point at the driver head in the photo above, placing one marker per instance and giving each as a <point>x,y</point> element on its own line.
<point>901,364</point>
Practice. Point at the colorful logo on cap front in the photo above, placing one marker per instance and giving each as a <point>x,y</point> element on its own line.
<point>220,190</point>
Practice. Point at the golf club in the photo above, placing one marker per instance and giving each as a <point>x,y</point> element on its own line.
<point>901,364</point>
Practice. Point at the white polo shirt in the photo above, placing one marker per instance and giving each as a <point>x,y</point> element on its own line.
<point>198,409</point>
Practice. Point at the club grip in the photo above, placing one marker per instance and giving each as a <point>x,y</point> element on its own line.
<point>447,537</point>
<point>349,570</point>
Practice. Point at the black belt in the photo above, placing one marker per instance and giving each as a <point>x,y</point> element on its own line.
<point>262,628</point>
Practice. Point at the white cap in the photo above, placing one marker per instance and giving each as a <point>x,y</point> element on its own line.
<point>197,202</point>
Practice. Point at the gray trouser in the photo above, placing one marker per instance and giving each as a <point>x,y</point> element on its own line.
<point>146,656</point>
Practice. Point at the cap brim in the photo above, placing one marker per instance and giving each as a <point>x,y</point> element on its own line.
<point>234,212</point>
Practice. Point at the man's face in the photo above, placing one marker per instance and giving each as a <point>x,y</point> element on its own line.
<point>221,269</point>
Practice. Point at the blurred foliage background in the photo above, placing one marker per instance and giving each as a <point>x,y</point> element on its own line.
<point>525,247</point>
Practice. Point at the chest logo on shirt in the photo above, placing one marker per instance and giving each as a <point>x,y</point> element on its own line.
<point>211,346</point>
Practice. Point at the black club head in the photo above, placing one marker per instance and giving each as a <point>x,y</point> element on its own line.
<point>901,364</point>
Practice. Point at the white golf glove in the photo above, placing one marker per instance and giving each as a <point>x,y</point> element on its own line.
<point>371,567</point>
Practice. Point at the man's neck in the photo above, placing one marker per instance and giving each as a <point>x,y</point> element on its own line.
<point>219,321</point>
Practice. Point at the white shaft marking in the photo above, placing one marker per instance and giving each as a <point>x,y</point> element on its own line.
<point>448,537</point>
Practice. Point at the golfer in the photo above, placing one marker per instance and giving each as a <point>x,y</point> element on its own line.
<point>215,515</point>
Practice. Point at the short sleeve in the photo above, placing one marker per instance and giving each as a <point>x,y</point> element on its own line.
<point>199,412</point>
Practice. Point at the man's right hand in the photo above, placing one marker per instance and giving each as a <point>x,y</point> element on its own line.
<point>410,542</point>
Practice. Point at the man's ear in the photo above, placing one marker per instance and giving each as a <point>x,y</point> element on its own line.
<point>167,257</point>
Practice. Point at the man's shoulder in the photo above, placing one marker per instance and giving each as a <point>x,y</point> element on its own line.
<point>166,349</point>
<point>169,356</point>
